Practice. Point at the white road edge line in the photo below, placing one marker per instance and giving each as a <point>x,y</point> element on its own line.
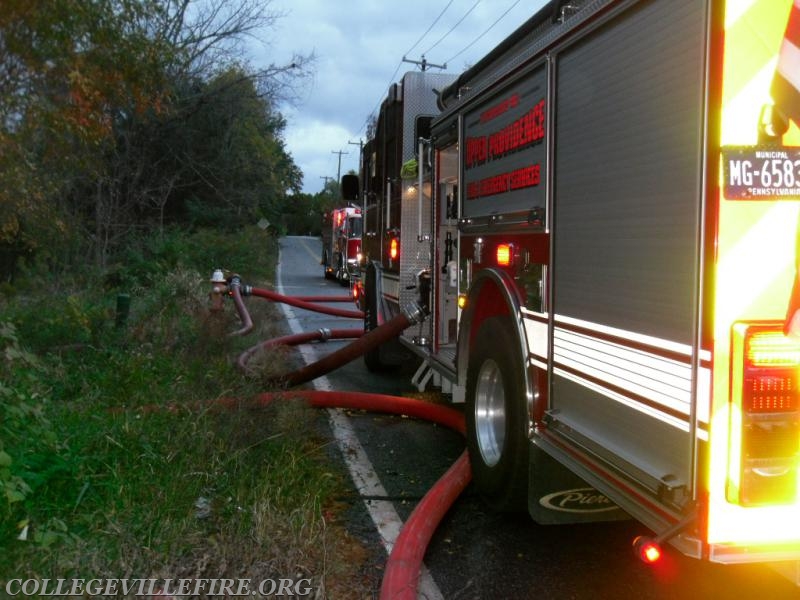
<point>383,514</point>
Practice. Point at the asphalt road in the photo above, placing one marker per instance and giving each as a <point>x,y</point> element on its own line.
<point>478,554</point>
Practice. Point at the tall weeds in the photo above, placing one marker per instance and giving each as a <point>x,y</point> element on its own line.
<point>108,468</point>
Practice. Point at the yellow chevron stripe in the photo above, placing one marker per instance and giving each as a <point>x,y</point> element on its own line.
<point>753,35</point>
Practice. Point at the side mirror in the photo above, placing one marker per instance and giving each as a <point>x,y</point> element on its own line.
<point>349,187</point>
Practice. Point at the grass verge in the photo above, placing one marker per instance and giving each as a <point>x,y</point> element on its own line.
<point>113,462</point>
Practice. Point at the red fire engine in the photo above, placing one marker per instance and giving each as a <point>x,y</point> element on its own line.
<point>341,250</point>
<point>603,230</point>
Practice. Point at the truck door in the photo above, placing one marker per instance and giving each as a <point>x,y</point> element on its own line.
<point>627,375</point>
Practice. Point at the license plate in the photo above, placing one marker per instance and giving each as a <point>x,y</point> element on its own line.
<point>761,173</point>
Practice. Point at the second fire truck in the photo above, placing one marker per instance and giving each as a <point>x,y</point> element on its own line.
<point>341,241</point>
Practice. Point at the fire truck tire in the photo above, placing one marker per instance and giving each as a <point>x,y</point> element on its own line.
<point>340,268</point>
<point>325,264</point>
<point>496,417</point>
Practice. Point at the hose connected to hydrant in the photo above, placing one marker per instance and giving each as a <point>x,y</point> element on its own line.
<point>300,303</point>
<point>363,344</point>
<point>321,335</point>
<point>404,565</point>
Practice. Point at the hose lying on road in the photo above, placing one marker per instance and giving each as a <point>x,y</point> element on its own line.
<point>404,565</point>
<point>365,343</point>
<point>323,298</point>
<point>393,327</point>
<point>300,303</point>
<point>321,335</point>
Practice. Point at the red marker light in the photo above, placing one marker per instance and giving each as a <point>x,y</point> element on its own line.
<point>648,550</point>
<point>394,249</point>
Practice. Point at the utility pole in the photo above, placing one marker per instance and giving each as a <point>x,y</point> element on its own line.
<point>423,64</point>
<point>339,170</point>
<point>360,144</point>
<point>326,178</point>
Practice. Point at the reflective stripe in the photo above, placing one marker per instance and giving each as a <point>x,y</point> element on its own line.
<point>642,376</point>
<point>786,85</point>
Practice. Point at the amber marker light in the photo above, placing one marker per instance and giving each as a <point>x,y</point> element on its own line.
<point>504,254</point>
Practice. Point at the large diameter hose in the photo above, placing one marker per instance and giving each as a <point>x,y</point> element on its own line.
<point>401,577</point>
<point>337,312</point>
<point>367,342</point>
<point>404,565</point>
<point>324,298</point>
<point>383,403</point>
<point>321,335</point>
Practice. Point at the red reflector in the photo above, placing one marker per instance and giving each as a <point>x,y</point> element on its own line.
<point>770,393</point>
<point>504,255</point>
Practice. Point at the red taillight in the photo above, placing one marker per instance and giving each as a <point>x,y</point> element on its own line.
<point>504,254</point>
<point>394,248</point>
<point>766,364</point>
<point>771,348</point>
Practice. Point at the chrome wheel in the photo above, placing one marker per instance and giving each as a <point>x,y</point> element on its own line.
<point>490,412</point>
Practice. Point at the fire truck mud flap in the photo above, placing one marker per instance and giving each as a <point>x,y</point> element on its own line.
<point>557,496</point>
<point>377,312</point>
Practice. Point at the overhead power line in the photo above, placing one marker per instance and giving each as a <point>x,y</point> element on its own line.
<point>475,41</point>
<point>400,64</point>
<point>461,20</point>
<point>435,21</point>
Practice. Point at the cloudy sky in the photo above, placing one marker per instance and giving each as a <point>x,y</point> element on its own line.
<point>359,46</point>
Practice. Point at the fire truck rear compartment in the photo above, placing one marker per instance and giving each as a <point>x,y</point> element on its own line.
<point>626,221</point>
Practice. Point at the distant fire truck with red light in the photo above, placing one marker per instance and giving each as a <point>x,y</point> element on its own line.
<point>341,250</point>
<point>600,220</point>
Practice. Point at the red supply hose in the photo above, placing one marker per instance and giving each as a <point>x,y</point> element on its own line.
<point>401,577</point>
<point>404,565</point>
<point>321,335</point>
<point>337,312</point>
<point>365,343</point>
<point>324,298</point>
<point>383,403</point>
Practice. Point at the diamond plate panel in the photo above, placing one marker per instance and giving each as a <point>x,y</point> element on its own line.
<point>419,98</point>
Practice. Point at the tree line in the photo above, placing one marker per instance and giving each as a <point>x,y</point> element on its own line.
<point>119,117</point>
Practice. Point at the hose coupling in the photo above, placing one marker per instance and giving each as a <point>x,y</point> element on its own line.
<point>247,290</point>
<point>414,313</point>
<point>324,334</point>
<point>236,281</point>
